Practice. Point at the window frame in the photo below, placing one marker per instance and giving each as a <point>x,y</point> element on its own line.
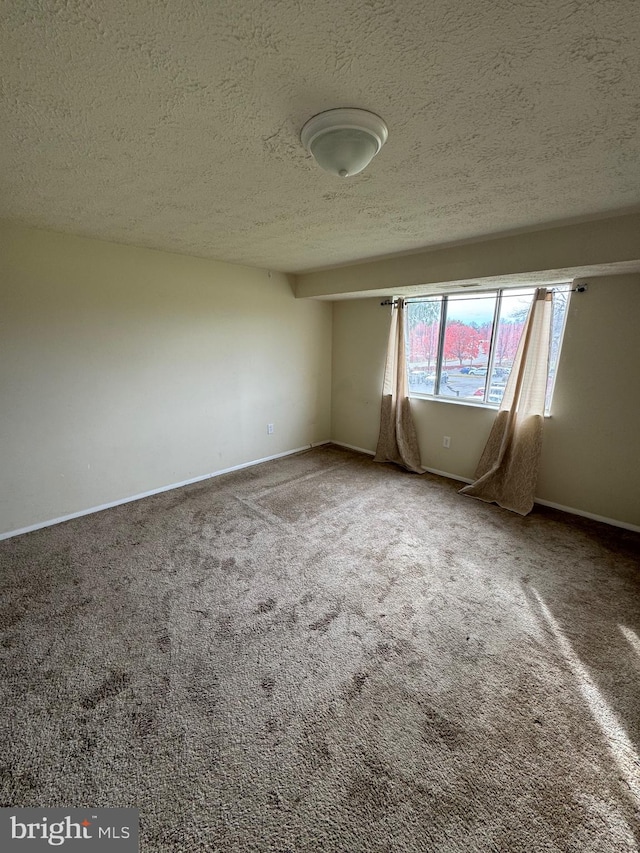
<point>498,292</point>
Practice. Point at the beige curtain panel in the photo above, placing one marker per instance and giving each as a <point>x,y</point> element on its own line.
<point>397,441</point>
<point>508,469</point>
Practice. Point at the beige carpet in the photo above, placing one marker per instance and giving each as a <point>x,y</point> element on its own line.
<point>326,654</point>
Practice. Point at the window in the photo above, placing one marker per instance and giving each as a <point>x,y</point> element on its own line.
<point>461,346</point>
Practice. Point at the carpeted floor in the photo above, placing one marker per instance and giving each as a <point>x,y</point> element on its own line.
<point>326,654</point>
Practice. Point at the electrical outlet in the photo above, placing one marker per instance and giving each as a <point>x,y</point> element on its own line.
<point>269,429</point>
<point>446,441</point>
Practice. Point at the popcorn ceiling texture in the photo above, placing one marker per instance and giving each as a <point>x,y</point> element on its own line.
<point>176,125</point>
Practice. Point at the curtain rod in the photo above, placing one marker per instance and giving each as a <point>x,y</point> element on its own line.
<point>579,288</point>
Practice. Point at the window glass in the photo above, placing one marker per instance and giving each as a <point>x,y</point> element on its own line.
<point>423,321</point>
<point>561,296</point>
<point>467,345</point>
<point>462,347</point>
<point>514,307</point>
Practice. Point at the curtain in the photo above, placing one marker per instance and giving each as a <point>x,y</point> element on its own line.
<point>397,441</point>
<point>507,472</point>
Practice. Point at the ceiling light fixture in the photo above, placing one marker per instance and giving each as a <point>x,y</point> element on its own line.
<point>344,141</point>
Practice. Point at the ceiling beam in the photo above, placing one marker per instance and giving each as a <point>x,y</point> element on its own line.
<point>596,247</point>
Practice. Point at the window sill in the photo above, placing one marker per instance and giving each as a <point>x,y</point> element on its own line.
<point>468,403</point>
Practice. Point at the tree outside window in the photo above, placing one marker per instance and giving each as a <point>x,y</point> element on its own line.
<point>472,360</point>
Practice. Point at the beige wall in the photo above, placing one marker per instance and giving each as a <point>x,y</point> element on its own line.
<point>123,370</point>
<point>360,332</point>
<point>591,453</point>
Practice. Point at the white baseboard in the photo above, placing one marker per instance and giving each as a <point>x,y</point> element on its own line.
<point>447,475</point>
<point>570,509</point>
<point>11,533</point>
<point>428,470</point>
<point>148,494</point>
<point>353,447</point>
<point>591,515</point>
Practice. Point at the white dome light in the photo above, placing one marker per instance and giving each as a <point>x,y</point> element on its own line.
<point>344,141</point>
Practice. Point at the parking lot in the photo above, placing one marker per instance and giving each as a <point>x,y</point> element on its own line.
<point>456,384</point>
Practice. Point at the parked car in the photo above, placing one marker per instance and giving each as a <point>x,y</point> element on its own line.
<point>494,396</point>
<point>465,369</point>
<point>496,393</point>
<point>477,371</point>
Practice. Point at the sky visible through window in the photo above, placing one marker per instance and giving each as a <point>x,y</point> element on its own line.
<point>479,309</point>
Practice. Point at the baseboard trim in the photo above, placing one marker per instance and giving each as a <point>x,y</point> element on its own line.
<point>570,509</point>
<point>447,475</point>
<point>613,521</point>
<point>353,447</point>
<point>11,533</point>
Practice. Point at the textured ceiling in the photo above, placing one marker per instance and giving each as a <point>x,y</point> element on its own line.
<point>176,125</point>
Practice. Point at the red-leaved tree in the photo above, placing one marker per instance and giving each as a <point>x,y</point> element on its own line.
<point>461,341</point>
